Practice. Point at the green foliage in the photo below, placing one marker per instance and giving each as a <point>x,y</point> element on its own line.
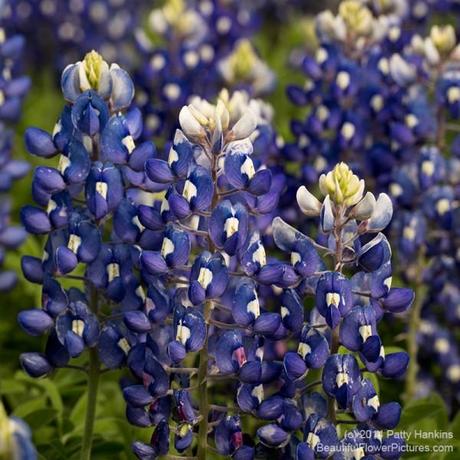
<point>425,422</point>
<point>55,410</point>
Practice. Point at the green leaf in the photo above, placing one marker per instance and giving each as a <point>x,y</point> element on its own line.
<point>431,407</point>
<point>51,391</point>
<point>30,406</point>
<point>40,418</point>
<point>454,427</point>
<point>421,419</point>
<point>77,416</point>
<point>11,387</point>
<point>106,449</point>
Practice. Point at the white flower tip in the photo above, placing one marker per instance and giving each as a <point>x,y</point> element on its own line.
<point>189,124</point>
<point>245,126</point>
<point>364,208</point>
<point>307,202</point>
<point>327,215</point>
<point>382,214</point>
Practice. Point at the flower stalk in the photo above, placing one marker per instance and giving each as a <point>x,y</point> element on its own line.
<point>203,391</point>
<point>94,372</point>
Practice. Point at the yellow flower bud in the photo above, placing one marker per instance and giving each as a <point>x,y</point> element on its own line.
<point>443,38</point>
<point>173,9</point>
<point>6,435</point>
<point>356,16</point>
<point>93,65</point>
<point>342,185</point>
<point>242,60</point>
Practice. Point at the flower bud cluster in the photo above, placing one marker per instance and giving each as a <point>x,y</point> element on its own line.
<point>81,208</point>
<point>13,88</point>
<point>202,47</point>
<point>339,335</point>
<point>58,31</point>
<point>217,325</point>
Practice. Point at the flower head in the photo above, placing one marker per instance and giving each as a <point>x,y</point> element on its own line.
<point>356,16</point>
<point>342,185</point>
<point>443,38</point>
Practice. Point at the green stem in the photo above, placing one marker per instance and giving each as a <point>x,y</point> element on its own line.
<point>203,392</point>
<point>94,371</point>
<point>414,326</point>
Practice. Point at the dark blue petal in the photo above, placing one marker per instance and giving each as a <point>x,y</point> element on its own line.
<point>159,171</point>
<point>32,269</point>
<point>35,364</point>
<point>388,415</point>
<point>35,322</point>
<point>40,143</point>
<point>137,395</point>
<point>272,435</point>
<point>35,220</point>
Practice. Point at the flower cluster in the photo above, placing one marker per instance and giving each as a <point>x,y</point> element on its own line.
<point>367,106</point>
<point>340,334</point>
<point>427,239</point>
<point>382,88</point>
<point>57,32</point>
<point>195,48</point>
<point>82,206</point>
<point>13,88</point>
<point>211,281</point>
<point>215,314</point>
<point>127,251</point>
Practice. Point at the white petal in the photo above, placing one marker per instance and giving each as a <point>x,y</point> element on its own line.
<point>189,124</point>
<point>308,203</point>
<point>83,79</point>
<point>244,126</point>
<point>327,217</point>
<point>382,214</point>
<point>364,209</point>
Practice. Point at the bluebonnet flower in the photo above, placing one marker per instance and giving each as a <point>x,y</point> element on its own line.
<point>224,324</point>
<point>381,89</point>
<point>57,32</point>
<point>13,88</point>
<point>211,260</point>
<point>15,438</point>
<point>81,208</point>
<point>346,312</point>
<point>168,254</point>
<point>197,48</point>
